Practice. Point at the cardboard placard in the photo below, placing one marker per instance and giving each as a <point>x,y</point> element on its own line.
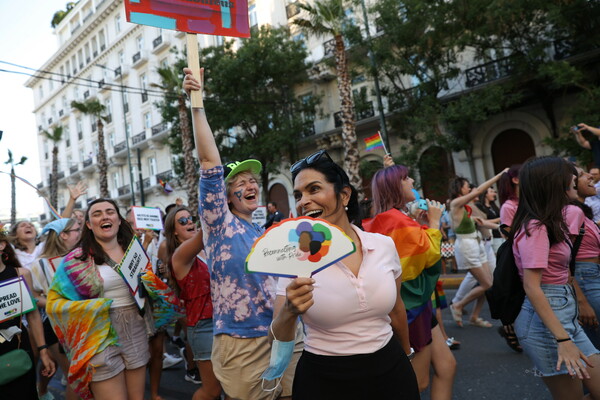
<point>299,247</point>
<point>15,300</point>
<point>259,216</point>
<point>134,262</point>
<point>210,17</point>
<point>147,218</point>
<point>55,262</point>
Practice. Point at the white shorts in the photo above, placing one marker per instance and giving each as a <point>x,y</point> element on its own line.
<point>469,251</point>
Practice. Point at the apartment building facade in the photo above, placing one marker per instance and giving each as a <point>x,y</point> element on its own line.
<point>102,56</point>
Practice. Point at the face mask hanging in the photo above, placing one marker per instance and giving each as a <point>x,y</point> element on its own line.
<point>281,355</point>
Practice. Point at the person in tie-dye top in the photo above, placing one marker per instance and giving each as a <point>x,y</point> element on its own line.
<point>242,303</point>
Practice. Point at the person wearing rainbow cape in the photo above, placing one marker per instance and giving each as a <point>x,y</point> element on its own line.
<point>95,316</point>
<point>418,245</point>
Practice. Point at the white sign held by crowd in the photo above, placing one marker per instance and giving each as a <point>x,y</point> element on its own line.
<point>147,218</point>
<point>259,216</point>
<point>132,265</point>
<point>15,298</point>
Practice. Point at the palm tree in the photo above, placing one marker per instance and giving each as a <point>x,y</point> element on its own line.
<point>97,110</point>
<point>327,18</point>
<point>171,82</point>
<point>13,188</point>
<point>55,137</point>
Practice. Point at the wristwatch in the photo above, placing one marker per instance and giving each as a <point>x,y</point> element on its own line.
<point>411,355</point>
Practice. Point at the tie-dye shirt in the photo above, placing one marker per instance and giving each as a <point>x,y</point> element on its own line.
<point>242,302</point>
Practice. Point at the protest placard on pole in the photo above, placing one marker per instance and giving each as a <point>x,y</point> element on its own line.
<point>147,218</point>
<point>209,17</point>
<point>15,298</point>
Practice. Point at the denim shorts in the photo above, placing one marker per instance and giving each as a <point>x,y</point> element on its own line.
<point>132,351</point>
<point>200,338</point>
<point>538,342</point>
<point>588,278</point>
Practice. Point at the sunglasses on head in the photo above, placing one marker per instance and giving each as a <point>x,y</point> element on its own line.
<point>308,161</point>
<point>185,220</point>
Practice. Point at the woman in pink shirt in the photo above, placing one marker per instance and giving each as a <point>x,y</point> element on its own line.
<point>357,343</point>
<point>508,192</point>
<point>547,325</point>
<point>587,267</point>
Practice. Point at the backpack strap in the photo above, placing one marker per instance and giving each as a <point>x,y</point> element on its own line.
<point>575,248</point>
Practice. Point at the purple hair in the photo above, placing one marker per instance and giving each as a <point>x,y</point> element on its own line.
<point>387,188</point>
<point>507,189</point>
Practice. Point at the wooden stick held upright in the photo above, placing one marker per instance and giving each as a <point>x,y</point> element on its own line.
<point>193,59</point>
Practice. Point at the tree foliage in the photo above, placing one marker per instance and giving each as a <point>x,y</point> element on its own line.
<point>523,46</point>
<point>250,98</point>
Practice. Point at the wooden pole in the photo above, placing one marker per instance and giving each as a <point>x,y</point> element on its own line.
<point>193,59</point>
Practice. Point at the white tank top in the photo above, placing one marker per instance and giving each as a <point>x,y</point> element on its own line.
<point>115,287</point>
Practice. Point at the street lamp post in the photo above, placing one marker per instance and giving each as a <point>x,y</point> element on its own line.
<point>373,63</point>
<point>131,184</point>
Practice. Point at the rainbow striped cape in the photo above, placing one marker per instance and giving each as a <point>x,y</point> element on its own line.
<point>80,316</point>
<point>419,250</point>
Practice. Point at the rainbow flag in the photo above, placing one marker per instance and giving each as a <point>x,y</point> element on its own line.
<point>374,142</point>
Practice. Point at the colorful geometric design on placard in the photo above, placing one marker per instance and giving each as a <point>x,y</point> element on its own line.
<point>313,241</point>
<point>210,17</point>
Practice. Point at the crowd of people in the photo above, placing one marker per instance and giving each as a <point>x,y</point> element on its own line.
<point>368,326</point>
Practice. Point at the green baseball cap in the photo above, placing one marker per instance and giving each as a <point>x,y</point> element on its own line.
<point>233,168</point>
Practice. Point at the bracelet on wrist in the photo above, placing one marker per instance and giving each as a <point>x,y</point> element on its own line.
<point>42,347</point>
<point>563,340</point>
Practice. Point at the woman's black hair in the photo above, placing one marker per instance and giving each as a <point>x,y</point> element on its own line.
<point>481,201</point>
<point>9,258</point>
<point>335,175</point>
<point>543,183</point>
<point>455,185</point>
<point>89,245</point>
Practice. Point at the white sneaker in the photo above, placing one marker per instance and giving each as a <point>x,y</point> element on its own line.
<point>170,360</point>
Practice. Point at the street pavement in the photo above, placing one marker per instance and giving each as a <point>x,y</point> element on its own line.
<point>487,368</point>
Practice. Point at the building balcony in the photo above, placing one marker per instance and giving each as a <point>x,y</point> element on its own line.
<point>43,217</point>
<point>124,190</point>
<point>103,86</point>
<point>160,129</point>
<point>360,113</point>
<point>60,174</point>
<point>122,70</point>
<point>144,97</point>
<point>139,138</point>
<point>119,147</point>
<point>322,73</point>
<point>365,111</point>
<point>139,59</point>
<point>73,169</point>
<point>488,72</point>
<point>40,185</point>
<point>329,48</point>
<point>87,163</point>
<point>292,10</point>
<point>108,118</point>
<point>159,44</point>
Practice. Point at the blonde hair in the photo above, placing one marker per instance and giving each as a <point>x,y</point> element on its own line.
<point>54,245</point>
